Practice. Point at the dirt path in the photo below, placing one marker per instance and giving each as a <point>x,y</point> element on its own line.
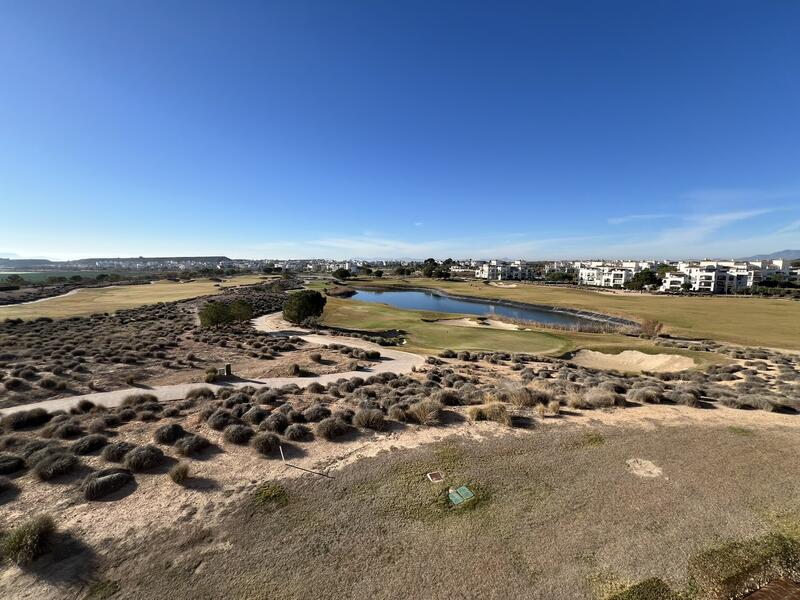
<point>394,361</point>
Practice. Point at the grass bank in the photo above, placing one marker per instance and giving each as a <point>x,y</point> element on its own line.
<point>110,299</point>
<point>748,321</point>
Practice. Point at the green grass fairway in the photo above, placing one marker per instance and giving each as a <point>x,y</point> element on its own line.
<point>109,299</point>
<point>749,321</point>
<point>432,337</point>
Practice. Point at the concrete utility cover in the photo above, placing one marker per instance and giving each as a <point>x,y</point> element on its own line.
<point>643,468</point>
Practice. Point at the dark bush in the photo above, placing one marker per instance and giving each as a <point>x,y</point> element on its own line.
<point>116,451</point>
<point>25,419</point>
<point>191,445</point>
<point>138,399</point>
<point>168,434</point>
<point>89,444</point>
<point>203,393</point>
<point>255,415</point>
<point>220,419</point>
<point>297,432</point>
<point>316,412</point>
<point>10,463</point>
<point>276,421</point>
<point>104,482</point>
<point>143,458</point>
<point>265,443</point>
<point>180,472</point>
<point>332,428</point>
<point>370,418</point>
<point>397,413</point>
<point>85,406</point>
<point>237,434</point>
<point>54,465</point>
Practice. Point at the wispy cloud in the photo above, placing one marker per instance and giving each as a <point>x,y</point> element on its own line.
<point>419,224</point>
<point>791,227</point>
<point>630,218</point>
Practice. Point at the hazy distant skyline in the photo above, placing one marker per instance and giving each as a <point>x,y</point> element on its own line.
<point>368,129</point>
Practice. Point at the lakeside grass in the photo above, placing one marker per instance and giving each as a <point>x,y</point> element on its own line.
<point>430,336</point>
<point>747,321</point>
<point>89,301</point>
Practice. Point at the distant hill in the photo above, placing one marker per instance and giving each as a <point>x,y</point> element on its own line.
<point>785,254</point>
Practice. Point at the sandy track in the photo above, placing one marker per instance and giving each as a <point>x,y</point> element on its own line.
<point>394,361</point>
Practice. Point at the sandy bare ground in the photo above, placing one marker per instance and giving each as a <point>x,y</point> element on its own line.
<point>223,478</point>
<point>484,324</point>
<point>394,361</point>
<point>632,361</point>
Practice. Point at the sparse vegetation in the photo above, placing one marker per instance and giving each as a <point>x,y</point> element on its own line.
<point>143,458</point>
<point>26,542</point>
<point>180,472</point>
<point>271,495</point>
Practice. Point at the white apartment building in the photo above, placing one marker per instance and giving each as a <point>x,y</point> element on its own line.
<point>499,270</point>
<point>723,277</point>
<point>606,275</point>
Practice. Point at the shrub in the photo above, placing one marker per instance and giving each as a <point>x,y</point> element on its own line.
<point>302,305</point>
<point>297,432</point>
<point>425,412</point>
<point>28,541</point>
<point>211,375</point>
<point>220,419</point>
<point>316,412</point>
<point>10,463</point>
<point>54,465</point>
<point>202,393</point>
<point>116,451</point>
<point>25,419</point>
<point>315,388</point>
<point>370,418</point>
<point>180,472</point>
<point>137,399</point>
<point>89,444</point>
<point>67,430</point>
<point>104,482</point>
<point>168,434</point>
<point>331,428</point>
<point>554,406</point>
<point>315,357</point>
<point>255,415</point>
<point>276,421</point>
<point>736,568</point>
<point>397,413</point>
<point>85,406</point>
<point>237,434</point>
<point>265,443</point>
<point>143,458</point>
<point>645,395</point>
<point>494,411</point>
<point>271,495</point>
<point>649,589</point>
<point>651,327</point>
<point>191,445</point>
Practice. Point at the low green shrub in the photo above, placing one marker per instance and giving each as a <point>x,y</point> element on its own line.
<point>28,541</point>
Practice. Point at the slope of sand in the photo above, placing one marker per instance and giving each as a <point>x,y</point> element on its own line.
<point>486,324</point>
<point>632,361</point>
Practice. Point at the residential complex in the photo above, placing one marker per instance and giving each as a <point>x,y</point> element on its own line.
<point>499,270</point>
<point>706,276</point>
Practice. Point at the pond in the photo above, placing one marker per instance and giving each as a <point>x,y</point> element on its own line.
<point>431,301</point>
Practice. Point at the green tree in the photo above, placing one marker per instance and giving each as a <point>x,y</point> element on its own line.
<point>342,274</point>
<point>643,278</point>
<point>16,279</point>
<point>300,306</point>
<point>367,271</point>
<point>220,313</point>
<point>379,273</point>
<point>240,311</point>
<point>76,278</point>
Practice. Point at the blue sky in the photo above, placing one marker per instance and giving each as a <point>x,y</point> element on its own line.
<point>399,129</point>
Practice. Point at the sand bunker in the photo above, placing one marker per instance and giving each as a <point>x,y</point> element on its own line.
<point>484,324</point>
<point>632,360</point>
<point>643,468</point>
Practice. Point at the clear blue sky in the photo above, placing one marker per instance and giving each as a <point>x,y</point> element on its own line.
<point>393,129</point>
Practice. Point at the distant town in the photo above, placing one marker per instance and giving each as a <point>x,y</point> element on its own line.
<point>667,276</point>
